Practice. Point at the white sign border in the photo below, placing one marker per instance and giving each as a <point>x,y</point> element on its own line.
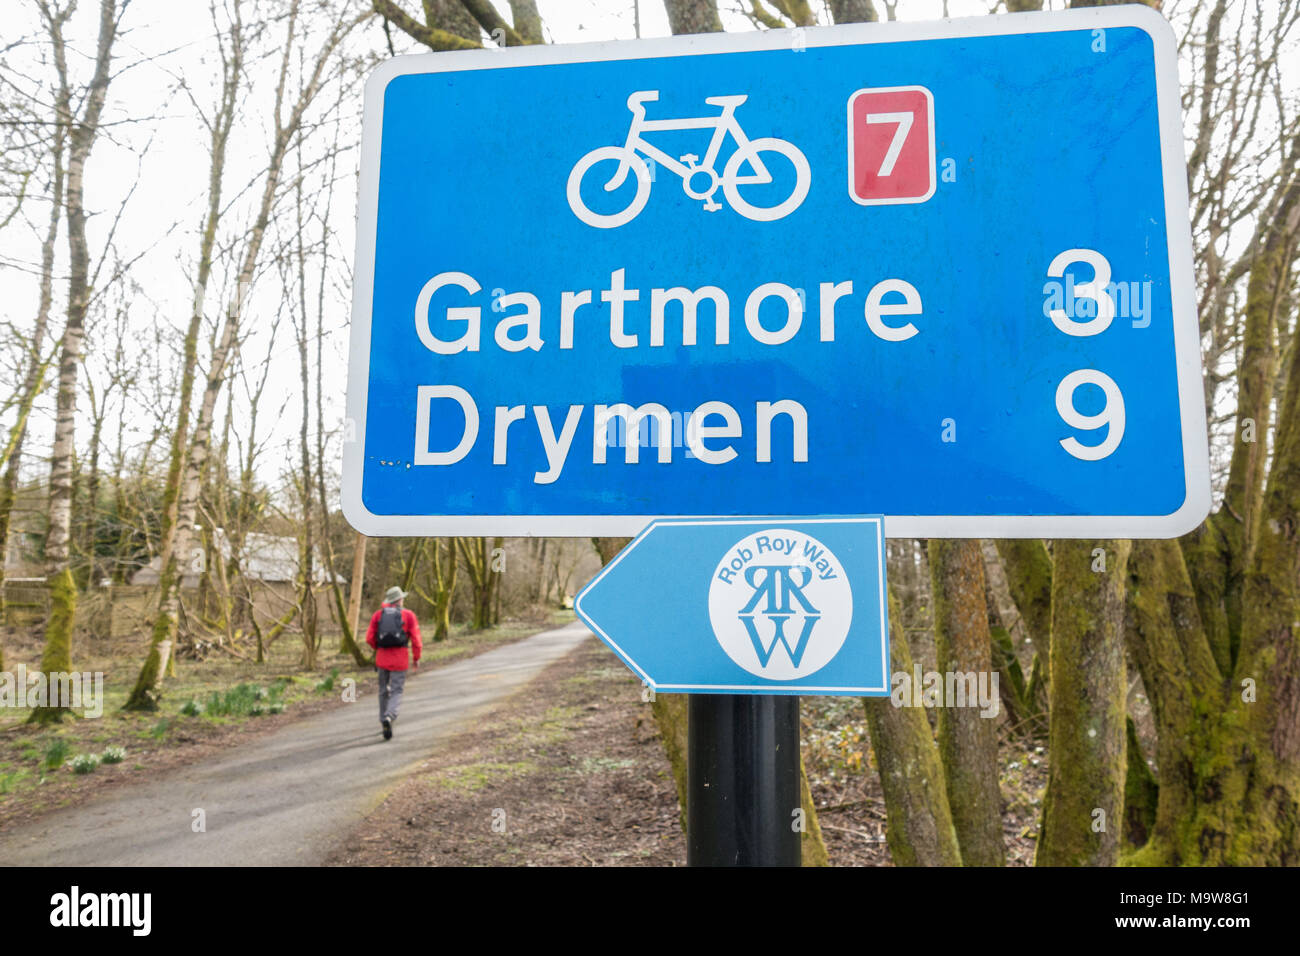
<point>1196,504</point>
<point>775,687</point>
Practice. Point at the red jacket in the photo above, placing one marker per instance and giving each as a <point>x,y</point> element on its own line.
<point>396,658</point>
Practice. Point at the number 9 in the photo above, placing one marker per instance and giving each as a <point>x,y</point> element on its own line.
<point>1112,414</point>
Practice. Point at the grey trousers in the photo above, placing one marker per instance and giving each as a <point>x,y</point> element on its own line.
<point>390,692</point>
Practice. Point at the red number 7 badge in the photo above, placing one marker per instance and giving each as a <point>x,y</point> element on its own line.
<point>891,145</point>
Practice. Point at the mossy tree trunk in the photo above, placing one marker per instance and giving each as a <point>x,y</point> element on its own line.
<point>1218,553</point>
<point>1141,793</point>
<point>1228,749</point>
<point>968,743</point>
<point>478,565</point>
<point>812,846</point>
<point>1212,623</point>
<point>442,557</point>
<point>670,712</point>
<point>56,658</point>
<point>528,22</point>
<point>919,830</point>
<point>1226,695</point>
<point>1083,805</point>
<point>1181,678</point>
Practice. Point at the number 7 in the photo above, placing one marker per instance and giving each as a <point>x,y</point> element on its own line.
<point>904,125</point>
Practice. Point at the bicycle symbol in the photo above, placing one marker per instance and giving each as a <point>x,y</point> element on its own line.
<point>689,167</point>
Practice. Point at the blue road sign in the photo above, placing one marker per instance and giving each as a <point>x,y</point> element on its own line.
<point>940,271</point>
<point>754,606</point>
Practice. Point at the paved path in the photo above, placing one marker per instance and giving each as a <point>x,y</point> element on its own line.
<point>287,797</point>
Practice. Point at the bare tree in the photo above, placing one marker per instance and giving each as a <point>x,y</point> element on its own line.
<point>287,119</point>
<point>230,46</point>
<point>82,131</point>
<point>38,359</point>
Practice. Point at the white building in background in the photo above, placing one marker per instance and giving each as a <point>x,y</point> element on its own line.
<point>269,558</point>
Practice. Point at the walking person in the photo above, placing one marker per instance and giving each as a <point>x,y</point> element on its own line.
<point>395,635</point>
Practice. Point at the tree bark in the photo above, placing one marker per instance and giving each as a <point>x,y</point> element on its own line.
<point>670,716</point>
<point>528,22</point>
<point>853,11</point>
<point>693,16</point>
<point>355,585</point>
<point>1029,578</point>
<point>919,830</point>
<point>57,655</point>
<point>445,582</point>
<point>968,743</point>
<point>812,846</point>
<point>1083,805</point>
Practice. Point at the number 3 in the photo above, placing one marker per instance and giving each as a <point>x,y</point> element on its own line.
<point>1094,290</point>
<point>1112,414</point>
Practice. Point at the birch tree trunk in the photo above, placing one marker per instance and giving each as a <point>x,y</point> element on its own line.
<point>57,654</point>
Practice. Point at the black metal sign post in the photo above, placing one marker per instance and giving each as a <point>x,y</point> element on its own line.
<point>742,780</point>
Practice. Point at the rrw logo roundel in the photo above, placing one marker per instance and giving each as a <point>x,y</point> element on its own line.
<point>780,604</point>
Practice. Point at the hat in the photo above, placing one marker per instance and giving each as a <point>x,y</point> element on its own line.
<point>393,595</point>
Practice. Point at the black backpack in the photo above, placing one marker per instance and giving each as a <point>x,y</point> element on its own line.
<point>390,632</point>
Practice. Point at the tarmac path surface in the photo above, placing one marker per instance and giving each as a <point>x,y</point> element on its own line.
<point>284,798</point>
